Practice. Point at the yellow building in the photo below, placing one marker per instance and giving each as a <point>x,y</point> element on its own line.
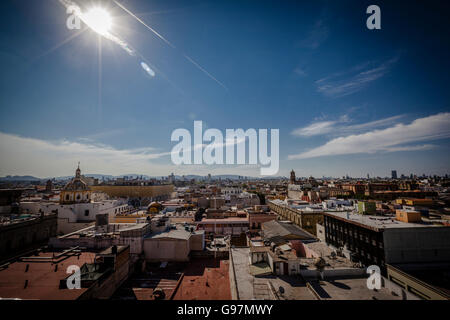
<point>414,202</point>
<point>76,191</point>
<point>131,218</point>
<point>134,191</point>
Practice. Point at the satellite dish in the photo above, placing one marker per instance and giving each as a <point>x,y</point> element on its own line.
<point>281,290</point>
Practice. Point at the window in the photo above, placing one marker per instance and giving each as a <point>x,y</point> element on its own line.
<point>67,197</point>
<point>86,213</point>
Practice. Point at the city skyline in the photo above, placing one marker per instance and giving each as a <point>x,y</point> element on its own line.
<point>347,100</point>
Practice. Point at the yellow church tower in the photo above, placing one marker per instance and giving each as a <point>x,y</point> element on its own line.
<point>76,190</point>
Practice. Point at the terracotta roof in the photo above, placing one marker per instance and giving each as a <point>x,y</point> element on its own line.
<point>43,278</point>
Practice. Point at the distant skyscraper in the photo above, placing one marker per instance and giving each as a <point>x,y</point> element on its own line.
<point>394,174</point>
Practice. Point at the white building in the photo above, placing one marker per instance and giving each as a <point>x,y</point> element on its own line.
<point>76,216</point>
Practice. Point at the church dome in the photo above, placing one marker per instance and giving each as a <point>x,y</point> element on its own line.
<point>77,183</point>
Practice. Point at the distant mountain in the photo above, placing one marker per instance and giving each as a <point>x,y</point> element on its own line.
<point>19,178</point>
<point>134,175</point>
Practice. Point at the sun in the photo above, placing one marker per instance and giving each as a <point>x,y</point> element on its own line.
<point>99,20</point>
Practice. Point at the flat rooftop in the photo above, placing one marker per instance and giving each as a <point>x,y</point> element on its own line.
<point>114,230</point>
<point>325,251</point>
<point>377,222</point>
<point>230,219</point>
<point>350,289</point>
<point>40,280</point>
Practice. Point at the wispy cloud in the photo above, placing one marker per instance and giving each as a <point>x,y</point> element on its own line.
<point>315,128</point>
<point>396,138</point>
<point>346,83</point>
<point>371,125</point>
<point>316,36</point>
<point>339,126</point>
<point>22,155</point>
<point>300,72</point>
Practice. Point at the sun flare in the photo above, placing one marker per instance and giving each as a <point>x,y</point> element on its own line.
<point>99,20</point>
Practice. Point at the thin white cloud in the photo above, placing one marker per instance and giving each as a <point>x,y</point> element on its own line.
<point>42,158</point>
<point>316,128</point>
<point>346,83</point>
<point>372,124</point>
<point>338,127</point>
<point>316,36</point>
<point>300,72</point>
<point>411,148</point>
<point>392,139</point>
<point>22,155</point>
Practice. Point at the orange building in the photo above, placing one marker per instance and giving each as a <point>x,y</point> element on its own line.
<point>408,216</point>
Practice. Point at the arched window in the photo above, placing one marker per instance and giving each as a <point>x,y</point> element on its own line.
<point>67,197</point>
<point>78,197</point>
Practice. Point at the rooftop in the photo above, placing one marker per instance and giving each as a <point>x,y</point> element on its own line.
<point>273,229</point>
<point>27,279</point>
<point>230,219</point>
<point>350,289</point>
<point>377,222</point>
<point>205,279</point>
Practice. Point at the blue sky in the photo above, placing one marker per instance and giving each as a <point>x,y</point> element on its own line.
<point>347,100</point>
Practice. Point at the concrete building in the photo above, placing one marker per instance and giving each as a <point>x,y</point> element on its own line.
<point>305,219</point>
<point>367,207</point>
<point>376,240</point>
<point>9,198</point>
<point>77,216</point>
<point>429,281</point>
<point>408,216</point>
<point>173,244</point>
<point>281,232</point>
<point>259,215</point>
<point>44,275</point>
<point>104,235</point>
<point>298,258</point>
<point>156,193</point>
<point>226,226</point>
<point>17,235</point>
